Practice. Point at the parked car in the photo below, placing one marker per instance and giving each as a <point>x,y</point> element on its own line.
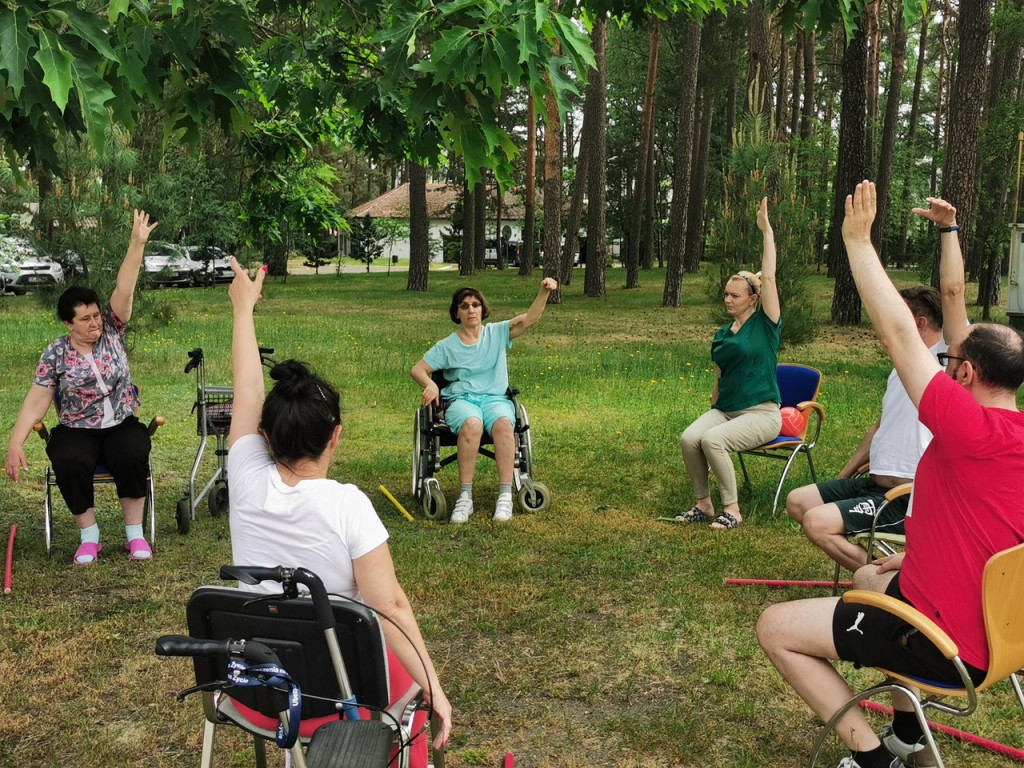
<point>24,267</point>
<point>212,265</point>
<point>168,264</point>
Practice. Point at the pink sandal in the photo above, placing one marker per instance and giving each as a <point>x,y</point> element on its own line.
<point>87,549</point>
<point>139,549</point>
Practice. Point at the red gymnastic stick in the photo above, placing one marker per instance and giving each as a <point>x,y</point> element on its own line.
<point>783,583</point>
<point>10,560</point>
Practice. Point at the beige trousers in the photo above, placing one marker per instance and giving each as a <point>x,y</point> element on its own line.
<point>709,440</point>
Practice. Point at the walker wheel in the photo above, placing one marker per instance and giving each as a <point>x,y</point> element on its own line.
<point>219,498</point>
<point>183,516</point>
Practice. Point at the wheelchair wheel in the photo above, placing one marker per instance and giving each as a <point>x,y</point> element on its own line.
<point>218,502</point>
<point>435,507</point>
<point>535,499</point>
<point>183,516</point>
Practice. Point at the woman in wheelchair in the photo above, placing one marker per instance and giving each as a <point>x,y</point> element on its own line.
<point>285,511</point>
<point>474,365</point>
<point>85,375</point>
<point>745,400</point>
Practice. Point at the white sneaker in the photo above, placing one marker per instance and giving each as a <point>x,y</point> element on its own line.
<point>916,755</point>
<point>463,509</point>
<point>503,509</point>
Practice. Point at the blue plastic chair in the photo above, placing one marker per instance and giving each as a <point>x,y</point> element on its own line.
<point>798,388</point>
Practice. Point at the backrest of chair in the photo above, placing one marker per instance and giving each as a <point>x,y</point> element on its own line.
<point>290,628</point>
<point>1001,588</point>
<point>797,383</point>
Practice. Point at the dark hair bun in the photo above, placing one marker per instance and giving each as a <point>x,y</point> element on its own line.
<point>291,377</point>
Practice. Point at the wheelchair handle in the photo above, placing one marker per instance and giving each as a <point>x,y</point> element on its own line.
<point>195,357</point>
<point>288,577</point>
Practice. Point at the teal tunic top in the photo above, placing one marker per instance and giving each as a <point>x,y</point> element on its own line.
<point>747,360</point>
<point>473,369</point>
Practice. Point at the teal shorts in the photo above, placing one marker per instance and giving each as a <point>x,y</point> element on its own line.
<point>487,408</point>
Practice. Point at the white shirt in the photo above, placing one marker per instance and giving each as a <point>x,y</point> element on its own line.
<point>321,525</point>
<point>901,437</point>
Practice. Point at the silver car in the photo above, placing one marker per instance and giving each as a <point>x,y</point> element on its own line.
<point>212,264</point>
<point>24,267</point>
<point>168,264</point>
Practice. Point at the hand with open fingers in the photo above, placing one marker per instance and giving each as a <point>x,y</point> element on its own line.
<point>141,228</point>
<point>860,213</point>
<point>245,292</point>
<point>15,462</point>
<point>938,211</point>
<point>549,284</point>
<point>762,216</point>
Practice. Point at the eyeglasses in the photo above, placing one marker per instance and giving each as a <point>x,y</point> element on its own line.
<point>466,306</point>
<point>944,359</point>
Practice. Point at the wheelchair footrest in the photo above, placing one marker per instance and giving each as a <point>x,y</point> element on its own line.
<point>351,744</point>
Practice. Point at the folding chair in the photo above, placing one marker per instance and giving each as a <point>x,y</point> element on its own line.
<point>1002,586</point>
<point>878,543</point>
<point>294,628</point>
<point>101,476</point>
<point>798,388</point>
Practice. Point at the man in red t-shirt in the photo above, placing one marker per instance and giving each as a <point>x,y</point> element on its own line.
<point>963,510</point>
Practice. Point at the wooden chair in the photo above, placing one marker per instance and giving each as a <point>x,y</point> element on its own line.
<point>1002,586</point>
<point>798,388</point>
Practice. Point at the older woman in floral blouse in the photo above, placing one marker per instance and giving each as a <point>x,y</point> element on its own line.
<point>85,373</point>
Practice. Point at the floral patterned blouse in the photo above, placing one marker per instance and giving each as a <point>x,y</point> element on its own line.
<point>71,373</point>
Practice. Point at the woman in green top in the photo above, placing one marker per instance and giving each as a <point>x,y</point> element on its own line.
<point>745,401</point>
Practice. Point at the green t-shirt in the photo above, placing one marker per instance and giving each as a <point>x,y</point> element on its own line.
<point>747,360</point>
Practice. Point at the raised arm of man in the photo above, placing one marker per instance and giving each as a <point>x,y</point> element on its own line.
<point>891,317</point>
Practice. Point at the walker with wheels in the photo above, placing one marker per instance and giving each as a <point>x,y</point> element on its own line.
<point>212,408</point>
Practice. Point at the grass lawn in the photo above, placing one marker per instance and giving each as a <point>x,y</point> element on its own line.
<point>586,635</point>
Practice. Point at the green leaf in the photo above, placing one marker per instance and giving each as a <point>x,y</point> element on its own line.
<point>56,65</point>
<point>86,26</point>
<point>15,45</point>
<point>94,93</point>
<point>527,35</point>
<point>116,10</point>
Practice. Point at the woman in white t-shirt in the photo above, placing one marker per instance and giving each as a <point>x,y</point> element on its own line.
<point>284,509</point>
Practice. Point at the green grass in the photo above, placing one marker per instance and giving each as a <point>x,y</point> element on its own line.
<point>587,635</point>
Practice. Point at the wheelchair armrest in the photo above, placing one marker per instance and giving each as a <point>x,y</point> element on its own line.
<point>155,424</point>
<point>40,429</point>
<point>907,613</point>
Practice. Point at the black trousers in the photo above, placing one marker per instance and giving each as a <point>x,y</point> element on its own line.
<point>74,454</point>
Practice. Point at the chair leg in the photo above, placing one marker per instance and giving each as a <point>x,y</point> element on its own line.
<point>782,479</point>
<point>209,731</point>
<point>48,512</point>
<point>746,477</point>
<point>259,748</point>
<point>835,581</point>
<point>151,502</point>
<point>810,465</point>
<point>1015,681</point>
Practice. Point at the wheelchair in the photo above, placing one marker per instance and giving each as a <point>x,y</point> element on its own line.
<point>431,436</point>
<point>298,671</point>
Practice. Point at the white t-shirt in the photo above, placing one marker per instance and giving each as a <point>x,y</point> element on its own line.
<point>901,437</point>
<point>321,525</point>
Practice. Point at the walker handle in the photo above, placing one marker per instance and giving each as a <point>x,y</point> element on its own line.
<point>195,357</point>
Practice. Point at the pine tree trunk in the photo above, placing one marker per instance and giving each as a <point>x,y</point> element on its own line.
<point>632,261</point>
<point>850,170</point>
<point>673,293</point>
<point>759,64</point>
<point>898,46</point>
<point>530,203</point>
<point>966,109</point>
<point>597,243</point>
<point>419,248</point>
<point>648,239</point>
<point>874,38</point>
<point>915,109</point>
<point>695,232</point>
<point>574,219</point>
<point>552,196</point>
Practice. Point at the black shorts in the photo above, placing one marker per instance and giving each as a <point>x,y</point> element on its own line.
<point>859,500</point>
<point>871,637</point>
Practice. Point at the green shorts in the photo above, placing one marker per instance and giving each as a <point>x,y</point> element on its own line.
<point>859,500</point>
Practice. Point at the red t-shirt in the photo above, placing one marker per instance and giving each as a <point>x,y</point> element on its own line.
<point>967,505</point>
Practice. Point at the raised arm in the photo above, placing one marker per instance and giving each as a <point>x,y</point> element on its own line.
<point>379,587</point>
<point>128,275</point>
<point>37,403</point>
<point>894,324</point>
<point>769,286</point>
<point>246,367</point>
<point>952,284</point>
<point>521,323</point>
